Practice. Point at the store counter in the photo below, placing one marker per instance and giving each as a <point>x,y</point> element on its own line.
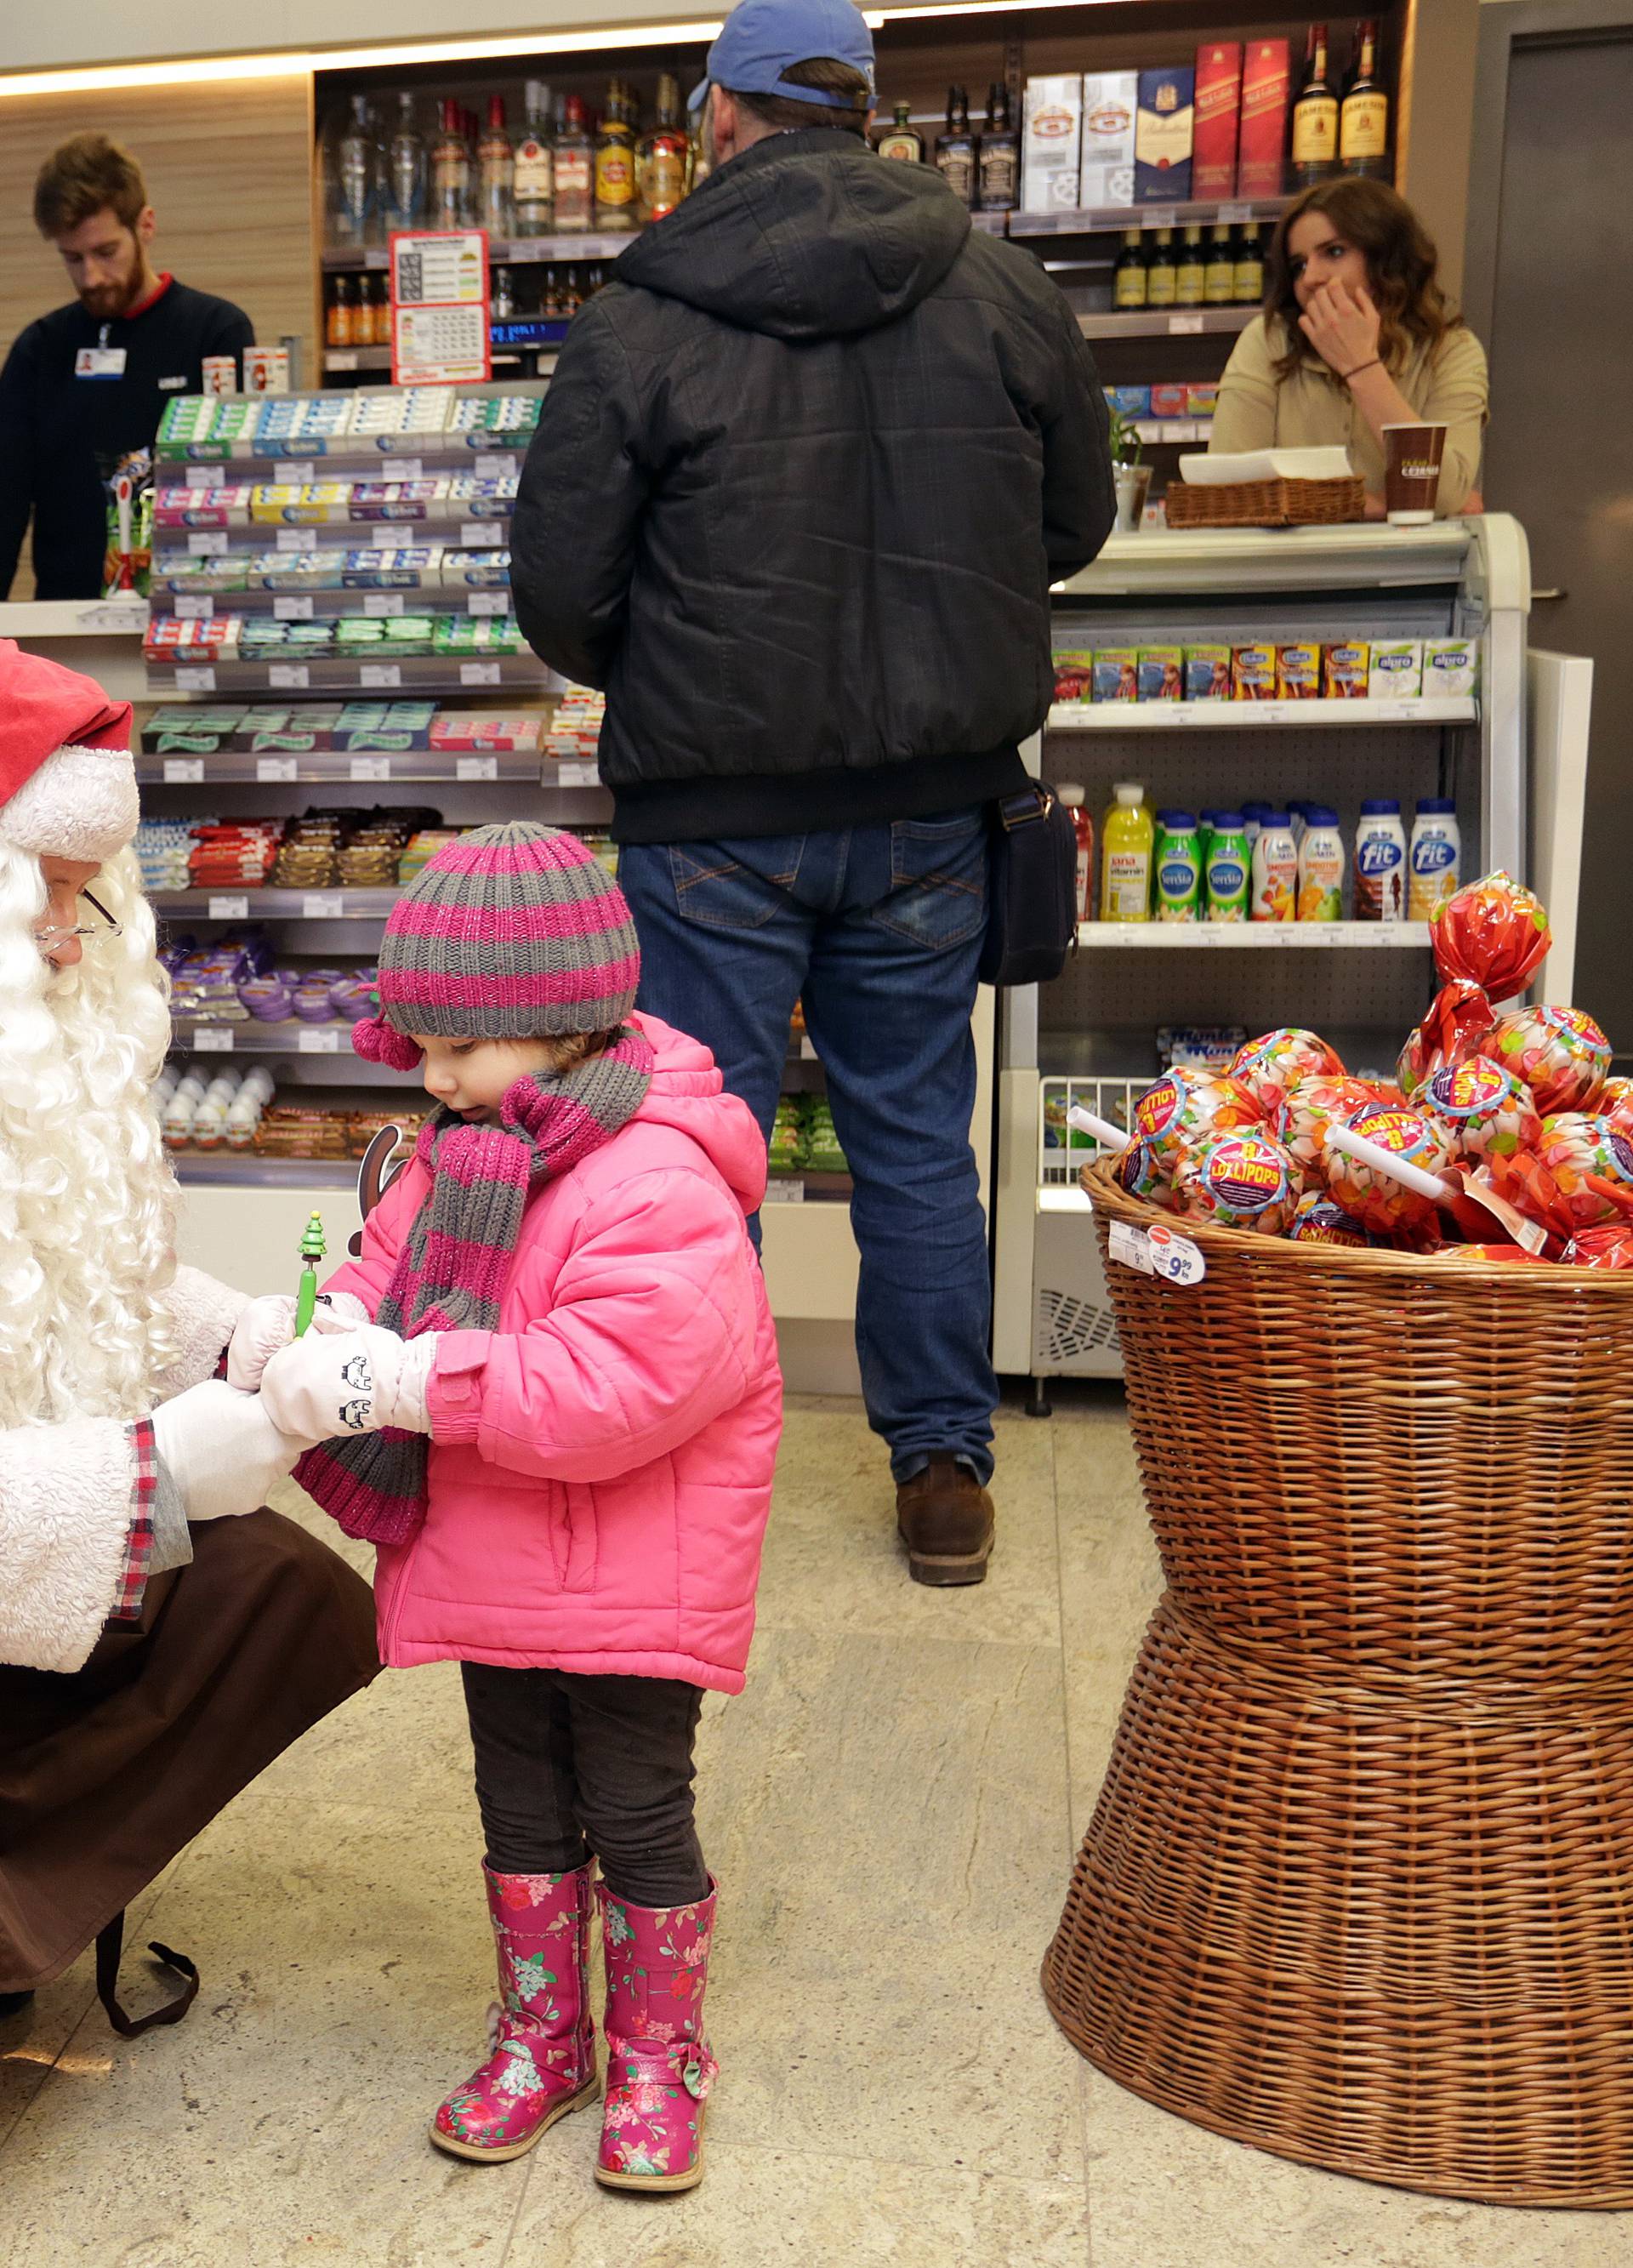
<point>101,636</point>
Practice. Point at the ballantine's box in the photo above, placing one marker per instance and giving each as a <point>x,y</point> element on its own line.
<point>1262,138</point>
<point>1218,109</point>
<point>1162,137</point>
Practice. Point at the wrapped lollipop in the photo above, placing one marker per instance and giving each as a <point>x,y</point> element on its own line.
<point>1578,1175</point>
<point>1243,1180</point>
<point>1456,1026</point>
<point>1310,1107</point>
<point>1388,1201</point>
<point>1275,1062</point>
<point>1138,1173</point>
<point>1560,1054</point>
<point>1483,1111</point>
<point>1185,1107</point>
<point>1608,1246</point>
<point>1322,1219</point>
<point>1493,933</point>
<point>1615,1102</point>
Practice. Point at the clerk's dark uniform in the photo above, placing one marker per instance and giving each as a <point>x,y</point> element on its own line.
<point>77,395</point>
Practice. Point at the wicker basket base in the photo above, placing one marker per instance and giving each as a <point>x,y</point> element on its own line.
<point>1391,1936</point>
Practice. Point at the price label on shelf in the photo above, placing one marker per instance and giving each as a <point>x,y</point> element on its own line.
<point>193,608</point>
<point>475,768</point>
<point>277,768</point>
<point>201,476</point>
<point>292,607</point>
<point>319,1040</point>
<point>213,1039</point>
<point>300,472</point>
<point>207,542</point>
<point>322,905</point>
<point>779,1191</point>
<point>483,535</point>
<point>402,469</point>
<point>1184,326</point>
<point>493,464</point>
<point>1233,216</point>
<point>381,603</point>
<point>183,772</point>
<point>371,767</point>
<point>573,771</point>
<point>1159,217</point>
<point>386,675</point>
<point>287,677</point>
<point>295,539</point>
<point>228,909</point>
<point>196,681</point>
<point>479,673</point>
<point>488,602</point>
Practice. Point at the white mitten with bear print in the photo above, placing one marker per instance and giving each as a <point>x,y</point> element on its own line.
<point>329,1387</point>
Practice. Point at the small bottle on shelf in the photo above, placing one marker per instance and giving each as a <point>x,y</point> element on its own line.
<point>533,180</point>
<point>1219,276</point>
<point>998,167</point>
<point>451,172</point>
<point>903,142</point>
<point>1073,799</point>
<point>1127,282</point>
<point>496,167</point>
<point>660,156</point>
<point>406,168</point>
<point>376,306</point>
<point>1364,119</point>
<point>574,172</point>
<point>1191,273</point>
<point>502,296</point>
<point>551,295</point>
<point>1162,276</point>
<point>339,324</point>
<point>955,149</point>
<point>1314,155</point>
<point>1249,287</point>
<point>614,163</point>
<point>355,219</point>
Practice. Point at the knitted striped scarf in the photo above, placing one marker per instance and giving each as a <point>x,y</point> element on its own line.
<point>453,1262</point>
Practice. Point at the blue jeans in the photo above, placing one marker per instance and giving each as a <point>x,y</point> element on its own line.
<point>878,929</point>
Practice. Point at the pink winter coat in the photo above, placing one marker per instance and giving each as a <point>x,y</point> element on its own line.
<point>601,1465</point>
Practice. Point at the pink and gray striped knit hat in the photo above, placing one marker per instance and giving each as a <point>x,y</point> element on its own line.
<point>512,933</point>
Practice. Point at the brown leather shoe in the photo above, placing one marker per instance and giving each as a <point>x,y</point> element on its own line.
<point>945,1517</point>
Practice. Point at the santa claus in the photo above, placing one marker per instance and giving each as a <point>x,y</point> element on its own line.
<point>163,1636</point>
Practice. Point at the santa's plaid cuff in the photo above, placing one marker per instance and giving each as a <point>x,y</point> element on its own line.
<point>139,1541</point>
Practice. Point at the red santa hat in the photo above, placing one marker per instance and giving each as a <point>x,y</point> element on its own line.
<point>68,786</point>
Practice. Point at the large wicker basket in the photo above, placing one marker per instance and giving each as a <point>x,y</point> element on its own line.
<point>1264,504</point>
<point>1359,1885</point>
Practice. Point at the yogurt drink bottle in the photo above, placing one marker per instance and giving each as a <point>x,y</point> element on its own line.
<point>1230,871</point>
<point>1275,869</point>
<point>1083,827</point>
<point>1380,862</point>
<point>1434,859</point>
<point>1320,867</point>
<point>1178,868</point>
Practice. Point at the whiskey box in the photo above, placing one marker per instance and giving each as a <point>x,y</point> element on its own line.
<point>1050,144</point>
<point>1110,100</point>
<point>1162,136</point>
<point>1218,111</point>
<point>1261,140</point>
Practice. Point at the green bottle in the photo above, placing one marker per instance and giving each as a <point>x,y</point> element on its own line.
<point>1179,872</point>
<point>1230,869</point>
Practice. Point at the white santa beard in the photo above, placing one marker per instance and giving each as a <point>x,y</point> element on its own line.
<point>87,1197</point>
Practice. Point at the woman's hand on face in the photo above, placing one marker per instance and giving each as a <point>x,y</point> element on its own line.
<point>1342,326</point>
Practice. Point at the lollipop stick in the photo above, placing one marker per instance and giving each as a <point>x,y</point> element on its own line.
<point>1114,1138</point>
<point>1352,1144</point>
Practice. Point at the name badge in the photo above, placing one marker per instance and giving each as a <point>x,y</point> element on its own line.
<point>99,362</point>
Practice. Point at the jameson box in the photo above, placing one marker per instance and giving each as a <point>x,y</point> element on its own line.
<point>1162,137</point>
<point>1263,135</point>
<point>1218,110</point>
<point>1049,150</point>
<point>1110,100</point>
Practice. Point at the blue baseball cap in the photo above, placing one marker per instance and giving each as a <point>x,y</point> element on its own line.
<point>760,39</point>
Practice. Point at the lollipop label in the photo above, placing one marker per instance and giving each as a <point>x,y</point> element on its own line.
<point>1402,1132</point>
<point>1159,1108</point>
<point>1319,1220</point>
<point>1573,1021</point>
<point>1464,1090</point>
<point>1245,1175</point>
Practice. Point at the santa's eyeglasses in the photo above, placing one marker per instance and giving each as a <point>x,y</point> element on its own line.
<point>53,936</point>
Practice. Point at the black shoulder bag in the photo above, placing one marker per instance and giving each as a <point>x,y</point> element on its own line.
<point>1032,889</point>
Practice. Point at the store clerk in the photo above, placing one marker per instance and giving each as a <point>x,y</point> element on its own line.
<point>87,384</point>
<point>1356,335</point>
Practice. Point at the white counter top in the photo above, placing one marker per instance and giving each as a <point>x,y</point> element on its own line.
<point>33,622</point>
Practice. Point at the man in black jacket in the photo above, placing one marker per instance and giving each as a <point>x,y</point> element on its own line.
<point>805,473</point>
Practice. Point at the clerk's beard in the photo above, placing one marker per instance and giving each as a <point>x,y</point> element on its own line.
<point>87,1197</point>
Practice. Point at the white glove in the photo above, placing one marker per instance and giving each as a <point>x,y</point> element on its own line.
<point>221,1448</point>
<point>268,1323</point>
<point>321,1389</point>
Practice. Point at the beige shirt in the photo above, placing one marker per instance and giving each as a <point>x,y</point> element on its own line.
<point>1308,410</point>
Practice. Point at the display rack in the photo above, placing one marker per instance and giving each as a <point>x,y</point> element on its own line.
<point>1086,1039</point>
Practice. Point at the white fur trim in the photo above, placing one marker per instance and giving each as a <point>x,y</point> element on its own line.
<point>65,1511</point>
<point>205,1312</point>
<point>81,803</point>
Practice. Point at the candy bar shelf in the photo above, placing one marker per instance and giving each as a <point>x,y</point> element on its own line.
<point>271,904</point>
<point>427,673</point>
<point>426,767</point>
<point>449,522</point>
<point>1511,757</point>
<point>415,596</point>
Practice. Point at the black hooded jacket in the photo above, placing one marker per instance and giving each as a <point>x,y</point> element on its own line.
<point>806,471</point>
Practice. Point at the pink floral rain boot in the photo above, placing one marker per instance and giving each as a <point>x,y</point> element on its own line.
<point>659,2066</point>
<point>542,2063</point>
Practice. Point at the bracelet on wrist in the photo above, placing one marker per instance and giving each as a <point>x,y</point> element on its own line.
<point>1348,374</point>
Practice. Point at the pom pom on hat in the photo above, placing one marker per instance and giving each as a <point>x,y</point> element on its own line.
<point>67,787</point>
<point>378,1041</point>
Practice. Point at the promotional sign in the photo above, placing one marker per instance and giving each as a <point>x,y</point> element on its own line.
<point>439,307</point>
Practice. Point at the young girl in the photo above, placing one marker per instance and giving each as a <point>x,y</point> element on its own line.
<point>557,1423</point>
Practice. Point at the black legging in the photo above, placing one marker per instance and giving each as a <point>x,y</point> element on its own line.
<point>569,1767</point>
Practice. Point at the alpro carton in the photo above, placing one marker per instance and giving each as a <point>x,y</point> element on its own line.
<point>1396,672</point>
<point>1451,668</point>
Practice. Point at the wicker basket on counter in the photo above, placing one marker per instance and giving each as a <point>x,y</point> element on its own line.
<point>1265,504</point>
<point>1358,1887</point>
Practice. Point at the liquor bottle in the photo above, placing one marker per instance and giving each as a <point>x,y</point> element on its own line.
<point>495,169</point>
<point>355,167</point>
<point>1128,275</point>
<point>501,296</point>
<point>1162,276</point>
<point>451,172</point>
<point>1249,288</point>
<point>1192,270</point>
<point>1364,121</point>
<point>533,181</point>
<point>660,156</point>
<point>406,168</point>
<point>574,172</point>
<point>998,165</point>
<point>903,142</point>
<point>1219,276</point>
<point>340,324</point>
<point>551,294</point>
<point>1315,116</point>
<point>955,149</point>
<point>615,164</point>
<point>380,301</point>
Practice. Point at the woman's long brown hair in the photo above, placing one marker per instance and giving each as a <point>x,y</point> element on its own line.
<point>1401,264</point>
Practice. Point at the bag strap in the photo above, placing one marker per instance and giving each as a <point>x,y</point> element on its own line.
<point>1026,804</point>
<point>109,1945</point>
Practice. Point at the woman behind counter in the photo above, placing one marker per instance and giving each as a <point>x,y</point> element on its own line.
<point>1356,335</point>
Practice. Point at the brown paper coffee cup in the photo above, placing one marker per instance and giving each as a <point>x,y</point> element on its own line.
<point>1412,455</point>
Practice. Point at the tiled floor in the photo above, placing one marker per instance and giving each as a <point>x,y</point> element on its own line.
<point>892,1807</point>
